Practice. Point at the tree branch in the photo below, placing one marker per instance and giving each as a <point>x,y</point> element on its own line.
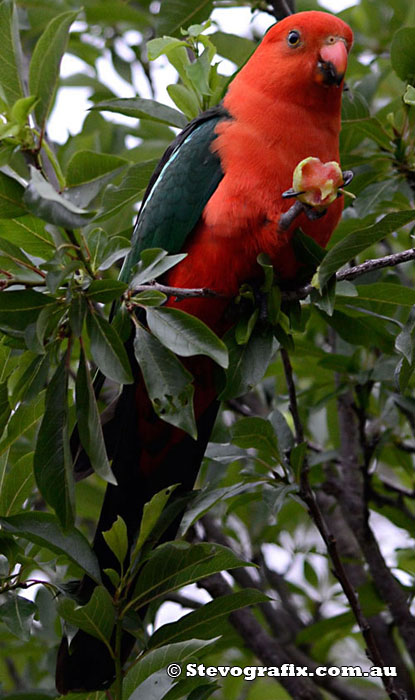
<point>307,495</point>
<point>356,271</point>
<point>354,506</point>
<point>354,565</point>
<point>177,292</point>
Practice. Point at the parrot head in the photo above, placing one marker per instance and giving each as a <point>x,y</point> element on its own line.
<point>316,43</point>
<point>306,51</point>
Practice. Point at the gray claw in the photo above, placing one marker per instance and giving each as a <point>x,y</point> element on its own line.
<point>348,176</point>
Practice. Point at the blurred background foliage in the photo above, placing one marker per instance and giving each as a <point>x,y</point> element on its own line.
<point>66,216</point>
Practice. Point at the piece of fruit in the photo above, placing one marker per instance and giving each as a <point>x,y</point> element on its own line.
<point>318,183</point>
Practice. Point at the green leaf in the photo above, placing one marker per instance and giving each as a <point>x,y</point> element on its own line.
<point>153,263</point>
<point>143,109</point>
<point>17,613</point>
<point>159,659</point>
<point>233,47</point>
<point>22,421</point>
<point>150,297</point>
<point>372,129</point>
<point>206,499</point>
<point>17,485</point>
<point>88,166</point>
<point>361,330</point>
<point>46,530</point>
<point>257,433</point>
<point>106,290</point>
<point>116,248</point>
<point>77,311</point>
<point>168,383</point>
<point>307,250</point>
<point>385,293</point>
<point>198,73</point>
<point>359,240</point>
<point>87,174</point>
<point>117,539</point>
<point>129,191</point>
<point>403,54</point>
<point>297,456</point>
<point>207,621</point>
<point>96,618</point>
<point>52,460</point>
<point>176,14</point>
<point>22,108</point>
<point>151,513</point>
<point>163,45</point>
<point>409,96</point>
<point>28,233</point>
<point>107,350</point>
<point>247,363</point>
<point>43,201</point>
<point>174,565</point>
<point>13,252</point>
<point>185,99</point>
<point>5,408</point>
<point>11,197</point>
<point>19,308</point>
<point>89,424</point>
<point>29,377</point>
<point>186,335</point>
<point>245,326</point>
<point>10,53</point>
<point>45,63</point>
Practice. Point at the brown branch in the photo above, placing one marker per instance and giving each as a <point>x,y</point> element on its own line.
<point>356,271</point>
<point>12,282</point>
<point>353,503</point>
<point>177,292</point>
<point>377,264</point>
<point>354,565</point>
<point>307,495</point>
<point>299,432</point>
<point>184,600</point>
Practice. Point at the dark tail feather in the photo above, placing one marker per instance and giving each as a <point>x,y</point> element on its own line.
<point>149,455</point>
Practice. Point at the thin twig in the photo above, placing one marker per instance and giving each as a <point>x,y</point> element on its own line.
<point>12,282</point>
<point>356,271</point>
<point>299,432</point>
<point>177,292</point>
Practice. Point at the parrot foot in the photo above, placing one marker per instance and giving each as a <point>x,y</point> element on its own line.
<point>294,212</point>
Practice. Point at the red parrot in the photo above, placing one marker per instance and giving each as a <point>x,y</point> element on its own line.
<point>217,196</point>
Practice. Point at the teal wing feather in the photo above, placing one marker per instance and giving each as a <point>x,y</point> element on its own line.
<point>179,189</point>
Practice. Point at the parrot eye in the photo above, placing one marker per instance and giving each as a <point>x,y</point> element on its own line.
<point>293,38</point>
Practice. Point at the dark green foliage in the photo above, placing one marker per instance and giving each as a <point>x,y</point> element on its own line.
<point>67,213</point>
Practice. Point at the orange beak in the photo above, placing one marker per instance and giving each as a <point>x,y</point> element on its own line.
<point>333,63</point>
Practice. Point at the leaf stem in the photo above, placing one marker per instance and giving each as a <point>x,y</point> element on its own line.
<point>54,162</point>
<point>69,232</point>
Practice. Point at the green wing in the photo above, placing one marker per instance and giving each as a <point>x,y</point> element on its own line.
<point>179,189</point>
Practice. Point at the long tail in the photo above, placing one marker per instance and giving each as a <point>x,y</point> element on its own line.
<point>148,455</point>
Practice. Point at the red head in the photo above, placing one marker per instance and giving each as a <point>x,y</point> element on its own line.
<point>306,53</point>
